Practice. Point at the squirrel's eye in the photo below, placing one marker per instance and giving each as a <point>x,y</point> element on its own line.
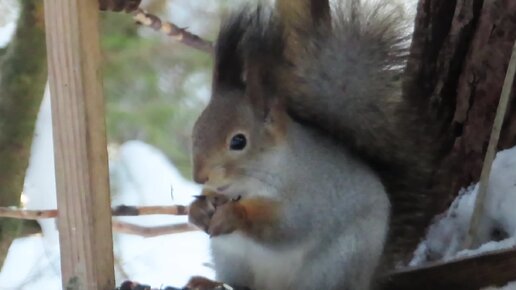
<point>238,142</point>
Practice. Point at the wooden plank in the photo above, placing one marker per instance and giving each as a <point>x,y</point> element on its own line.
<point>472,273</point>
<point>80,144</point>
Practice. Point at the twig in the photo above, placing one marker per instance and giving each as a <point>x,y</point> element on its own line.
<point>170,29</point>
<point>121,210</point>
<point>118,226</point>
<point>147,232</point>
<point>478,211</point>
<point>17,213</point>
<point>124,210</point>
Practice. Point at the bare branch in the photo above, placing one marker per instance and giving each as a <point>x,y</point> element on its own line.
<point>118,226</point>
<point>478,211</point>
<point>16,213</point>
<point>147,232</point>
<point>170,29</point>
<point>122,210</point>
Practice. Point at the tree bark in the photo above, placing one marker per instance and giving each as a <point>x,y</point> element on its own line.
<point>459,57</point>
<point>22,81</point>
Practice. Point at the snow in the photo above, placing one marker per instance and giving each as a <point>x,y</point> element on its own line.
<point>40,188</point>
<point>510,286</point>
<point>446,236</point>
<point>31,263</point>
<point>487,247</point>
<point>140,175</point>
<point>10,10</point>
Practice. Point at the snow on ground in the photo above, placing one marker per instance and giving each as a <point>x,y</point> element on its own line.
<point>141,175</point>
<point>10,10</point>
<point>446,236</point>
<point>510,286</point>
<point>144,176</point>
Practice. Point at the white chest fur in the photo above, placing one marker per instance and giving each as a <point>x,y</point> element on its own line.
<point>269,269</point>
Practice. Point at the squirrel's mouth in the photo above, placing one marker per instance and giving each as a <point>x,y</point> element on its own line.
<point>232,194</point>
<point>223,188</point>
<point>230,190</point>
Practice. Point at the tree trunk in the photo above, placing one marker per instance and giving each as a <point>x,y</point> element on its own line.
<point>459,57</point>
<point>22,81</point>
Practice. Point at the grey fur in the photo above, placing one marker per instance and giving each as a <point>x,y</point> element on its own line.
<point>333,222</point>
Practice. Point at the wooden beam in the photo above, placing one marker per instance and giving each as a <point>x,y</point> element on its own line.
<point>495,268</point>
<point>82,180</point>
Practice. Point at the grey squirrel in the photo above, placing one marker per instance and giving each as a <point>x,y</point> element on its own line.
<point>303,143</point>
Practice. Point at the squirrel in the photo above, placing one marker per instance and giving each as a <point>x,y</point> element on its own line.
<point>307,152</point>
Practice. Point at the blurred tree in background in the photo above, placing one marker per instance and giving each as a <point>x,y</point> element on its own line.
<point>155,87</point>
<point>22,81</point>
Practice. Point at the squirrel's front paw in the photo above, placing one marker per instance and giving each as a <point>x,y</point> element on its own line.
<point>201,212</point>
<point>202,209</point>
<point>226,219</point>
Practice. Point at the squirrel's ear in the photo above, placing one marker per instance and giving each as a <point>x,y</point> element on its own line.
<point>276,113</point>
<point>255,89</point>
<point>260,91</point>
<point>228,70</point>
<point>263,54</point>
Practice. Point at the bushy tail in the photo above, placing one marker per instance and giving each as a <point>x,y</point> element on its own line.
<point>346,80</point>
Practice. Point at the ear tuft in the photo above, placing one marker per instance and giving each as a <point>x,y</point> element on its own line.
<point>228,58</point>
<point>262,49</point>
<point>249,56</point>
<point>249,47</point>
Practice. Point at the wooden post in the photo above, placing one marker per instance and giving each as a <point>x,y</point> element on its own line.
<point>82,179</point>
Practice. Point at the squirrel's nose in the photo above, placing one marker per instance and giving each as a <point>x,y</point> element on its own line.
<point>200,178</point>
<point>200,175</point>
